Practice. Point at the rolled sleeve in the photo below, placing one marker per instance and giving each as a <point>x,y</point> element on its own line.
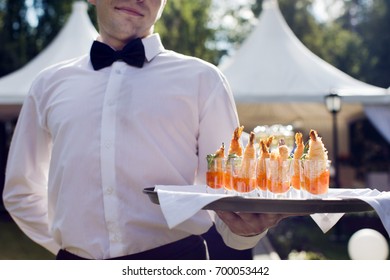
<point>236,241</point>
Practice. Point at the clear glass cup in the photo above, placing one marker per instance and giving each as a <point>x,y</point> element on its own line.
<point>261,178</point>
<point>296,178</point>
<point>215,175</point>
<point>233,165</point>
<point>278,177</point>
<point>242,176</point>
<point>316,176</point>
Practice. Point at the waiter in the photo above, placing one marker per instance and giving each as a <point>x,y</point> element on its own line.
<point>96,130</point>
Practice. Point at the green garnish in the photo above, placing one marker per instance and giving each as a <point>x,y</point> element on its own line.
<point>210,160</point>
<point>305,150</point>
<point>232,156</point>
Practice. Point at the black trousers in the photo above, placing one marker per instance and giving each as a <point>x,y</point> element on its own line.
<point>189,248</point>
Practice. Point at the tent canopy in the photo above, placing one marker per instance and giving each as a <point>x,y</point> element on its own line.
<point>275,79</point>
<point>272,65</point>
<point>74,40</point>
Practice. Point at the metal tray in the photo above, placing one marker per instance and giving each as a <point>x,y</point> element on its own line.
<point>263,205</point>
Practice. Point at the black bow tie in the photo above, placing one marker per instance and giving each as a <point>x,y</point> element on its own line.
<point>102,55</point>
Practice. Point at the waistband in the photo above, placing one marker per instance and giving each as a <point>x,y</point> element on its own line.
<point>190,248</point>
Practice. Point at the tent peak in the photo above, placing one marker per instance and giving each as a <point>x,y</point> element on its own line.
<point>79,6</point>
<point>270,4</point>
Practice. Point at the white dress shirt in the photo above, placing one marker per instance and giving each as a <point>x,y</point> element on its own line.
<point>88,142</point>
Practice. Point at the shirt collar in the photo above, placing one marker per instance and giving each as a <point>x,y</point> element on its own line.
<point>153,46</point>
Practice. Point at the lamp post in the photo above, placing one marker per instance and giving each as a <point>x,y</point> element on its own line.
<point>333,104</point>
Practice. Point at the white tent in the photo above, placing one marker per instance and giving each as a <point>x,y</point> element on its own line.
<point>276,79</point>
<point>74,39</point>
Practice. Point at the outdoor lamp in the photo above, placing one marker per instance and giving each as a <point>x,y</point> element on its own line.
<point>333,104</point>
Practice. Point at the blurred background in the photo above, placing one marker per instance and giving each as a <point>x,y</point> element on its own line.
<point>346,37</point>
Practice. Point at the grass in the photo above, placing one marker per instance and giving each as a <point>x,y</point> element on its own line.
<point>15,245</point>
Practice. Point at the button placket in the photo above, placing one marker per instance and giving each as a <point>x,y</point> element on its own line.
<point>108,173</point>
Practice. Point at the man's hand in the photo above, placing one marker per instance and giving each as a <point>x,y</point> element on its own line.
<point>250,224</point>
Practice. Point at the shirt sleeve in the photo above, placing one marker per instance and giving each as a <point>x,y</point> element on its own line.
<point>218,120</point>
<point>236,241</point>
<point>25,189</point>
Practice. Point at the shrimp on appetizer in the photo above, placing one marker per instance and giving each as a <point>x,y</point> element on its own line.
<point>278,180</point>
<point>247,167</point>
<point>261,168</point>
<point>300,147</point>
<point>298,153</point>
<point>317,150</point>
<point>235,145</point>
<point>269,141</point>
<point>283,150</point>
<point>247,176</point>
<point>316,166</point>
<point>233,162</point>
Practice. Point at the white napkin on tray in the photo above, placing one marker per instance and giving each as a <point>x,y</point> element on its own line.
<point>191,199</point>
<point>379,201</point>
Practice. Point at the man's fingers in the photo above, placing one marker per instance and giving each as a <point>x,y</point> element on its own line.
<point>227,216</point>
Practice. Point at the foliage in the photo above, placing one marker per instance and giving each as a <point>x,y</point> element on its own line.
<point>184,28</point>
<point>357,42</point>
<point>370,20</point>
<point>13,31</point>
<point>22,41</point>
<point>303,255</point>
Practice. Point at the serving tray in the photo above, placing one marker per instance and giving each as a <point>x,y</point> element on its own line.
<point>265,205</point>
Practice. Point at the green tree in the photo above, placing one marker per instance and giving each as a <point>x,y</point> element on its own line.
<point>51,16</point>
<point>13,35</point>
<point>371,20</point>
<point>20,41</point>
<point>184,28</point>
<point>2,13</point>
<point>343,49</point>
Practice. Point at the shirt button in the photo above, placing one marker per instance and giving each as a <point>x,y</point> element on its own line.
<point>117,238</point>
<point>109,190</point>
<point>118,71</point>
